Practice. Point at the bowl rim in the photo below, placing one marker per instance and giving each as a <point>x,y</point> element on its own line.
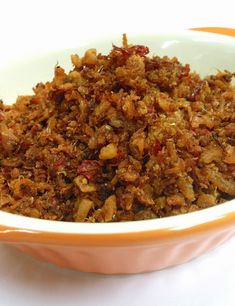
<point>220,217</point>
<point>16,228</point>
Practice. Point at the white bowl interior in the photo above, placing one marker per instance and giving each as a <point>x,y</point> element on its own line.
<point>206,53</point>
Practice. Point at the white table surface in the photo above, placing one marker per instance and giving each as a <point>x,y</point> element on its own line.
<point>32,26</point>
<point>205,281</point>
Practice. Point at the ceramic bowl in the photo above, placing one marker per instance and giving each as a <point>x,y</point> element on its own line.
<point>126,247</point>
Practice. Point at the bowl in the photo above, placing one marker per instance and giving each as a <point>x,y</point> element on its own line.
<point>125,247</point>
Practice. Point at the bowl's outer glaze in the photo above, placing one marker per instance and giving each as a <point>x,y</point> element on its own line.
<point>132,259</point>
<point>124,252</point>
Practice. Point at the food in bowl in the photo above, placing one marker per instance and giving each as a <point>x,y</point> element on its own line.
<point>123,247</point>
<point>121,137</point>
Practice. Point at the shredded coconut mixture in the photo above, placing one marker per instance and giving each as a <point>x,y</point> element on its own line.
<point>121,137</point>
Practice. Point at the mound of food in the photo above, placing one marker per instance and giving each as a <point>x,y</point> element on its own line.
<point>121,137</point>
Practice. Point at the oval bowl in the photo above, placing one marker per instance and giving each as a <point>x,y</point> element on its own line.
<point>126,247</point>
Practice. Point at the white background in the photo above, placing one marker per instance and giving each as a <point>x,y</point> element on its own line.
<point>31,26</point>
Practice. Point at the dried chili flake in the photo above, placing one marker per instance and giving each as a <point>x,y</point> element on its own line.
<point>156,147</point>
<point>231,168</point>
<point>90,169</point>
<point>59,163</point>
<point>126,52</point>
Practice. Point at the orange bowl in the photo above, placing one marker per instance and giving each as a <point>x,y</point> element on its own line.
<point>132,247</point>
